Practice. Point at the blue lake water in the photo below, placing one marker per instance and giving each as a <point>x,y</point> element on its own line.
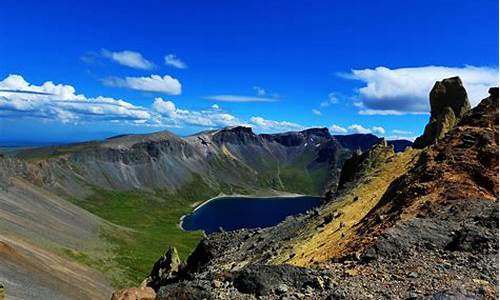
<point>231,213</point>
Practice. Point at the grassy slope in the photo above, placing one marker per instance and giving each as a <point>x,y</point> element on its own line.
<point>153,218</point>
<point>319,243</point>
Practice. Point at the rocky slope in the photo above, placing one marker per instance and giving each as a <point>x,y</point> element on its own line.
<point>37,227</point>
<point>422,224</point>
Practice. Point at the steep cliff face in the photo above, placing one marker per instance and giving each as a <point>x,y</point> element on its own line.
<point>421,224</point>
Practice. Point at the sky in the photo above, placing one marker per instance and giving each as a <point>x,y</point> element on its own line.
<point>80,70</point>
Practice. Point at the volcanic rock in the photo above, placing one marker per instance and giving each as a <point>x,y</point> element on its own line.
<point>449,102</point>
<point>164,270</point>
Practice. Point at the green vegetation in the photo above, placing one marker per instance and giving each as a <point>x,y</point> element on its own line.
<point>150,221</point>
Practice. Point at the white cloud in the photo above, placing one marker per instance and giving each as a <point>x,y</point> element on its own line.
<point>390,112</point>
<point>401,137</point>
<point>208,118</point>
<point>49,101</point>
<point>401,132</point>
<point>165,107</point>
<point>378,130</point>
<point>356,128</point>
<point>316,112</point>
<point>172,60</point>
<point>128,58</point>
<point>236,98</point>
<point>153,83</point>
<point>19,98</point>
<point>262,124</point>
<point>406,90</point>
<point>337,129</point>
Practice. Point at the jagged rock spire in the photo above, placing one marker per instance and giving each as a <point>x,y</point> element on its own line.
<point>449,102</point>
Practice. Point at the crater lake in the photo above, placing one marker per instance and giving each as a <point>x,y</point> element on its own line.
<point>231,213</point>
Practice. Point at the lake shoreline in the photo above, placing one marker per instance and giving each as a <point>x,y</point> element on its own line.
<point>199,204</point>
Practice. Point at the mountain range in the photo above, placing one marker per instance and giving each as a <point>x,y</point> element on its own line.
<point>85,204</point>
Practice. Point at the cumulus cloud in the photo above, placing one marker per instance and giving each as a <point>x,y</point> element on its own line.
<point>165,107</point>
<point>316,112</point>
<point>60,102</point>
<point>262,124</point>
<point>128,58</point>
<point>406,90</point>
<point>153,83</point>
<point>19,98</point>
<point>356,128</point>
<point>237,98</point>
<point>174,61</point>
<point>337,129</point>
<point>213,117</point>
<point>378,130</point>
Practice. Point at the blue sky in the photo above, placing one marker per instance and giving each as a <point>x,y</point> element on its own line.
<point>77,70</point>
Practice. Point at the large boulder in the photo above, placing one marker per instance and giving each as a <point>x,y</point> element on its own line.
<point>449,102</point>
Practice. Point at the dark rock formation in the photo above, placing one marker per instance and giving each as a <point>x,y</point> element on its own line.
<point>263,280</point>
<point>164,270</point>
<point>449,102</point>
<point>203,253</point>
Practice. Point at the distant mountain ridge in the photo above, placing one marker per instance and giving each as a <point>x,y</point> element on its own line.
<point>363,142</point>
<point>234,156</point>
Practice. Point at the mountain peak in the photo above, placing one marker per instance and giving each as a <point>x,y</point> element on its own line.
<point>318,131</point>
<point>236,129</point>
<point>235,135</point>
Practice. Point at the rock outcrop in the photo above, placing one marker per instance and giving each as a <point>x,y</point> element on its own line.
<point>164,270</point>
<point>449,102</point>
